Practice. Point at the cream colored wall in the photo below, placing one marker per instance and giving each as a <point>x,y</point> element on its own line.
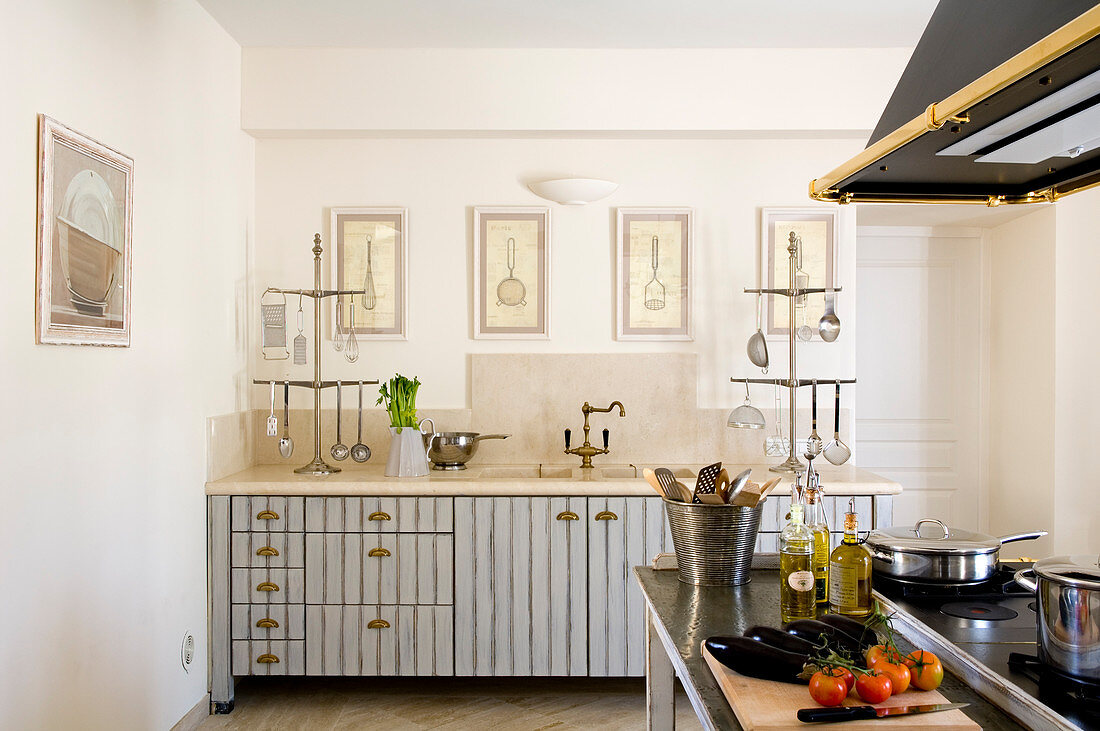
<point>439,180</point>
<point>102,530</point>
<point>1076,389</point>
<point>1021,379</point>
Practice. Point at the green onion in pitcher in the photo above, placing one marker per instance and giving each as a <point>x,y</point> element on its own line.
<point>399,396</point>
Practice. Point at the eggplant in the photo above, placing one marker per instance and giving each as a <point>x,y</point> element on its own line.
<point>812,629</point>
<point>779,638</point>
<point>756,659</point>
<point>867,637</point>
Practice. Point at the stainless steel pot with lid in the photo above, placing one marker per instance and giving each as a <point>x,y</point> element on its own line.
<point>939,554</point>
<point>1067,615</point>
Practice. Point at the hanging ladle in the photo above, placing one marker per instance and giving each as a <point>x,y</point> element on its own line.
<point>339,450</point>
<point>828,327</point>
<point>758,345</point>
<point>836,451</point>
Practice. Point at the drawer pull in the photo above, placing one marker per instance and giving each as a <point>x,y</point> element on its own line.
<point>267,551</point>
<point>378,552</point>
<point>379,515</point>
<point>267,623</point>
<point>267,515</point>
<point>266,659</point>
<point>606,515</point>
<point>378,624</point>
<point>567,515</point>
<point>267,586</point>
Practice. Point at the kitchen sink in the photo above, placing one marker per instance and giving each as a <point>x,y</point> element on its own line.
<point>618,473</point>
<point>526,472</point>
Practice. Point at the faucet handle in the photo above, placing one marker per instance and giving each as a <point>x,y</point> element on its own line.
<point>567,435</point>
<point>606,434</point>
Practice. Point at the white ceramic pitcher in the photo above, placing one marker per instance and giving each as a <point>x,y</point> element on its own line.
<point>408,455</point>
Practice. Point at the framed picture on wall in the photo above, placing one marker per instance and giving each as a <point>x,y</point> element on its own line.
<point>85,207</point>
<point>371,255</point>
<point>511,272</point>
<point>654,273</point>
<point>816,229</point>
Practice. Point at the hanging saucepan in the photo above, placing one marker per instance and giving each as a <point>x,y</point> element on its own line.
<point>1067,612</point>
<point>938,555</point>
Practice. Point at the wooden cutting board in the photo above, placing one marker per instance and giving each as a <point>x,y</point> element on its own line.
<point>767,705</point>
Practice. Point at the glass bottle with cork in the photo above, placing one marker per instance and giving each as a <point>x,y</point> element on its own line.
<point>819,527</point>
<point>797,595</point>
<point>850,571</point>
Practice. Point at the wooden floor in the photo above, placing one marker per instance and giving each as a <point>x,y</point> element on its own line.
<point>482,704</point>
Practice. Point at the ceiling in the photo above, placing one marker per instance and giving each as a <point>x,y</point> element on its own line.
<point>573,23</point>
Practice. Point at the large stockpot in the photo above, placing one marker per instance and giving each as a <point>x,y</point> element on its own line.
<point>451,450</point>
<point>953,557</point>
<point>1067,615</point>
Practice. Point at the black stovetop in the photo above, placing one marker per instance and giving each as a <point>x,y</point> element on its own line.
<point>991,621</point>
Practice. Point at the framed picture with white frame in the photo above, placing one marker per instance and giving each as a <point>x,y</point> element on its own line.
<point>655,281</point>
<point>817,229</point>
<point>511,272</point>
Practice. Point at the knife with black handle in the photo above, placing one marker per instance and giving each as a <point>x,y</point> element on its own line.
<point>862,713</point>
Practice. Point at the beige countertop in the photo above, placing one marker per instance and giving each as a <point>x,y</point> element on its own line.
<point>517,480</point>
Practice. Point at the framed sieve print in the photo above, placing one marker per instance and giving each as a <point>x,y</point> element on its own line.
<point>511,273</point>
<point>371,255</point>
<point>654,273</point>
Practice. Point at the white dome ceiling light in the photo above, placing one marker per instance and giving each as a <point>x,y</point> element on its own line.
<point>573,191</point>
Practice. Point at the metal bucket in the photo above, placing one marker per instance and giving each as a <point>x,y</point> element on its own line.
<point>714,543</point>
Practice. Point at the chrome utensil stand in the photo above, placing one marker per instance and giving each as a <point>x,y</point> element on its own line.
<point>318,465</point>
<point>792,383</point>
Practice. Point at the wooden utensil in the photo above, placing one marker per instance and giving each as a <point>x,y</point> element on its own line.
<point>651,477</point>
<point>685,492</point>
<point>767,487</point>
<point>706,481</point>
<point>709,499</point>
<point>722,485</point>
<point>749,495</point>
<point>766,705</point>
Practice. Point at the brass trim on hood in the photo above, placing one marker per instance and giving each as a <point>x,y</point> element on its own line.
<point>954,108</point>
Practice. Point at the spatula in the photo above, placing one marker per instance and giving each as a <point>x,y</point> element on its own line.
<point>668,484</point>
<point>706,481</point>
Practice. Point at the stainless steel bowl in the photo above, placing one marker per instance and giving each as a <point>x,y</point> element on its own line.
<point>451,450</point>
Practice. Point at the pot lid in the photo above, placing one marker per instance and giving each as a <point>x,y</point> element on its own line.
<point>1082,572</point>
<point>932,536</point>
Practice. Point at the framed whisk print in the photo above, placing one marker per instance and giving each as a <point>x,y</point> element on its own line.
<point>511,272</point>
<point>654,273</point>
<point>371,255</point>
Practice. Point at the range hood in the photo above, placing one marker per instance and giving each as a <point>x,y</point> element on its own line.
<point>1000,103</point>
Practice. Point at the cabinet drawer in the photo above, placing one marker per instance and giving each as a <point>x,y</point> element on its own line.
<point>269,657</point>
<point>267,586</point>
<point>387,568</point>
<point>267,514</point>
<point>379,515</point>
<point>271,550</point>
<point>269,621</point>
<point>379,640</point>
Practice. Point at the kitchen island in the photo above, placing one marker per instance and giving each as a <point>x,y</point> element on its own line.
<point>499,570</point>
<point>681,616</point>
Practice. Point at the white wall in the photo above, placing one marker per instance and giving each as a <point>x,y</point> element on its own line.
<point>439,180</point>
<point>102,530</point>
<point>1021,379</point>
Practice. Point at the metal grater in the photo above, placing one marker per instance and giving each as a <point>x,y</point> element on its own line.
<point>273,327</point>
<point>300,339</point>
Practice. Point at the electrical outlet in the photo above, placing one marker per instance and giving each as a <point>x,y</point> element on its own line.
<point>187,650</point>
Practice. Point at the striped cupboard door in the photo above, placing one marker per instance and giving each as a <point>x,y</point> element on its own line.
<point>379,640</point>
<point>382,568</point>
<point>623,532</point>
<point>520,586</point>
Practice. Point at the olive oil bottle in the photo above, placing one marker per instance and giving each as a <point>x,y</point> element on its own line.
<point>815,521</point>
<point>796,576</point>
<point>850,572</point>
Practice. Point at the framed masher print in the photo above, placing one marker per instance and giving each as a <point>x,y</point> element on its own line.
<point>511,272</point>
<point>655,280</point>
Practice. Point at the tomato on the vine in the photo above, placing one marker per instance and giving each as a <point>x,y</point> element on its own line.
<point>828,689</point>
<point>898,672</point>
<point>874,686</point>
<point>846,674</point>
<point>926,669</point>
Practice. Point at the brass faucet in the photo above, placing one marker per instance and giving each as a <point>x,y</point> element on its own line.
<point>586,451</point>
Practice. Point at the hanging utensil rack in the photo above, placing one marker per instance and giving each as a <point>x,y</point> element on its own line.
<point>317,466</point>
<point>793,382</point>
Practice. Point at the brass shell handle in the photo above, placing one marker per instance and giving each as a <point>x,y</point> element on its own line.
<point>379,515</point>
<point>567,515</point>
<point>378,552</point>
<point>267,551</point>
<point>267,515</point>
<point>267,623</point>
<point>266,659</point>
<point>606,515</point>
<point>267,586</point>
<point>378,624</point>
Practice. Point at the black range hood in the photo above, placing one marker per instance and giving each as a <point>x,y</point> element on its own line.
<point>1000,103</point>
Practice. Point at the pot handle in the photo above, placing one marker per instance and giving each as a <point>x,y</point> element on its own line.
<point>1021,578</point>
<point>880,556</point>
<point>1023,536</point>
<point>940,523</point>
<point>479,437</point>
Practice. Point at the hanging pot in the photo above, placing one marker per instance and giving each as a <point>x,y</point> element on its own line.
<point>953,556</point>
<point>1067,612</point>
